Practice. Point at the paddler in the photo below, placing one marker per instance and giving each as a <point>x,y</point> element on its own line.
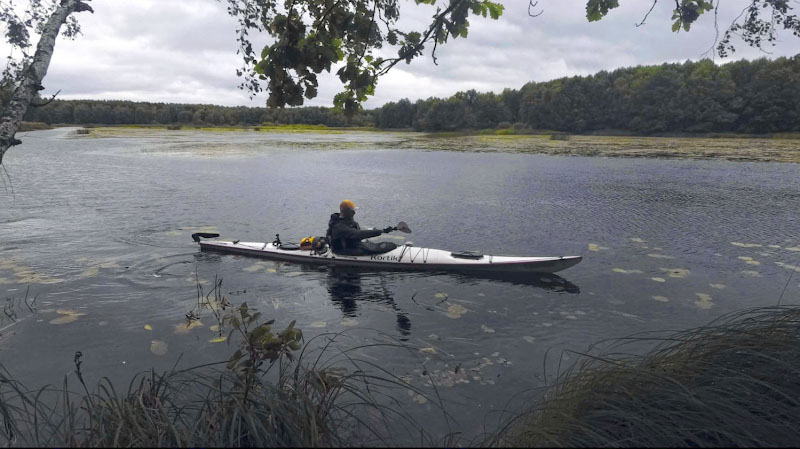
<point>346,235</point>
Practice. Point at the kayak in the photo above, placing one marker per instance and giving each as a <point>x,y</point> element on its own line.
<point>403,257</point>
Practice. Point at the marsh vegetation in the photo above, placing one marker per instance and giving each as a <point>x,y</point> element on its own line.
<point>733,382</point>
<point>274,390</point>
<point>780,148</point>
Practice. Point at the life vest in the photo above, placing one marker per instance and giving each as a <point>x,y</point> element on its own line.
<point>338,244</point>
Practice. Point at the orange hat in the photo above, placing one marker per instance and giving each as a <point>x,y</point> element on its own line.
<point>346,204</point>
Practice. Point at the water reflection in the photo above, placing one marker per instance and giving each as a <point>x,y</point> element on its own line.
<point>347,286</point>
<point>546,281</point>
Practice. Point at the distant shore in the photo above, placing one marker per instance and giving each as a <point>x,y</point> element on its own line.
<point>779,147</point>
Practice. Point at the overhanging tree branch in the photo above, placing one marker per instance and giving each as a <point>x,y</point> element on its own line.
<point>32,76</point>
<point>644,19</point>
<point>39,105</point>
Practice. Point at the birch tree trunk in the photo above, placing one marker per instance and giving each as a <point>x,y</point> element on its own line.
<point>34,73</point>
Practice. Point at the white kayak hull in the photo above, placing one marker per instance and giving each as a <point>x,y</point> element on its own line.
<point>401,258</point>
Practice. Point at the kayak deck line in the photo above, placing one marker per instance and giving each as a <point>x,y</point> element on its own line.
<point>404,257</point>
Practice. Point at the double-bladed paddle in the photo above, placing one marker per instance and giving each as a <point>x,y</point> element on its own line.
<point>402,227</point>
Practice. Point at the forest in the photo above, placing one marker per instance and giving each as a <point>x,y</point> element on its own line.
<point>754,97</point>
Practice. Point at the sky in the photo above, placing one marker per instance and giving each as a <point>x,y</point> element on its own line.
<point>184,51</point>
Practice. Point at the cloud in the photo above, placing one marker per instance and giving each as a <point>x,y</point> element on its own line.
<point>185,51</point>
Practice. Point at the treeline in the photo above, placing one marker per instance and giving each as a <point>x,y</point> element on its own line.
<point>760,96</point>
<point>117,112</point>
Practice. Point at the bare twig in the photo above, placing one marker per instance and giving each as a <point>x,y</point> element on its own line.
<point>532,4</point>
<point>38,105</point>
<point>648,14</point>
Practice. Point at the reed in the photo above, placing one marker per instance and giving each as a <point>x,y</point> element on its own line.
<point>274,390</point>
<point>734,382</point>
<point>33,126</point>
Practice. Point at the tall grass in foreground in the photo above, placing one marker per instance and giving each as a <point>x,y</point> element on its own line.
<point>734,382</point>
<point>272,391</point>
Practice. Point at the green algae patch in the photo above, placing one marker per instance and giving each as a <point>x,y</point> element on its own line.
<point>143,130</point>
<point>507,140</point>
<point>763,149</point>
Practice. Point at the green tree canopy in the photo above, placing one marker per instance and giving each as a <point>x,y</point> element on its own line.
<point>310,36</point>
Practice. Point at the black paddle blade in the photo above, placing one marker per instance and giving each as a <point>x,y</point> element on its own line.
<point>205,235</point>
<point>403,227</point>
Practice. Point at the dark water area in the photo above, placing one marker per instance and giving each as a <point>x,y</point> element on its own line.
<point>98,229</point>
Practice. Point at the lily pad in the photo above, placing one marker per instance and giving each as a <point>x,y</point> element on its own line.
<point>67,316</point>
<point>749,260</point>
<point>418,398</point>
<point>746,245</point>
<point>184,328</point>
<point>678,273</point>
<point>255,267</point>
<point>660,256</point>
<point>624,271</point>
<point>703,301</point>
<point>455,311</point>
<point>788,266</point>
<point>64,319</point>
<point>349,322</point>
<point>158,347</point>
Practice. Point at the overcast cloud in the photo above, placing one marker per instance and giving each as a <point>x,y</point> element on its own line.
<point>184,51</point>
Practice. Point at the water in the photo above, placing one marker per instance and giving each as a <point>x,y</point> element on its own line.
<point>98,229</point>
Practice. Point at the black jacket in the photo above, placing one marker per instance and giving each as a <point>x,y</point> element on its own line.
<point>346,235</point>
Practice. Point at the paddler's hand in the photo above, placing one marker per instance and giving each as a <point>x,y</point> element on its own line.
<point>388,230</point>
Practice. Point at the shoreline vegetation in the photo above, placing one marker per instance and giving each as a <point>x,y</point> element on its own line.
<point>752,101</point>
<point>776,147</point>
<point>732,382</point>
<point>692,98</point>
<point>275,390</point>
<point>498,131</point>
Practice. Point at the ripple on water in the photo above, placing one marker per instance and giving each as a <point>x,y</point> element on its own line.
<point>94,209</point>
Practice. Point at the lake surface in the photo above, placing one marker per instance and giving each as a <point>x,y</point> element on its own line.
<point>98,230</point>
